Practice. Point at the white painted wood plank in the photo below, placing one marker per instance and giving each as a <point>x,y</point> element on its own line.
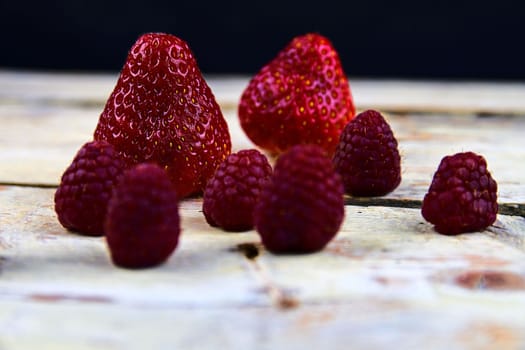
<point>424,140</point>
<point>382,94</point>
<point>28,87</point>
<point>464,97</point>
<point>38,143</point>
<point>386,279</point>
<point>406,96</point>
<point>361,324</point>
<point>42,261</point>
<point>394,253</point>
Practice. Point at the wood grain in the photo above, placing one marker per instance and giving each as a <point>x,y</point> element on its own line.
<point>397,96</point>
<point>387,278</point>
<point>57,132</point>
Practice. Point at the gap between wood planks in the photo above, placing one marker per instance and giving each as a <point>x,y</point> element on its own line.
<point>511,209</point>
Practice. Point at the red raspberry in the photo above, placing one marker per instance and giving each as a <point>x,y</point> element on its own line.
<point>231,194</point>
<point>367,156</point>
<point>81,199</point>
<point>301,208</point>
<point>462,196</point>
<point>142,225</point>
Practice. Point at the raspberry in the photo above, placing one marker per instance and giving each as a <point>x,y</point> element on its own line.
<point>81,199</point>
<point>301,209</point>
<point>367,156</point>
<point>231,194</point>
<point>462,196</point>
<point>142,224</point>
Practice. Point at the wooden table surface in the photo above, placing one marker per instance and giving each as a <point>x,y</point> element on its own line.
<point>386,280</point>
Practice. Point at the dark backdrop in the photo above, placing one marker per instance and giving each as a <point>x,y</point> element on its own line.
<point>375,38</point>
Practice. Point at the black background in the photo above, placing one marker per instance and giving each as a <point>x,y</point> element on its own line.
<point>375,38</point>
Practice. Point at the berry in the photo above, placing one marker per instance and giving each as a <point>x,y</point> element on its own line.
<point>367,156</point>
<point>462,196</point>
<point>82,197</point>
<point>142,224</point>
<point>301,209</point>
<point>231,194</point>
<point>163,111</point>
<point>302,96</point>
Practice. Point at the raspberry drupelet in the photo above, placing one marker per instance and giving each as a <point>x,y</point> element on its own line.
<point>85,188</point>
<point>231,194</point>
<point>367,156</point>
<point>462,196</point>
<point>301,209</point>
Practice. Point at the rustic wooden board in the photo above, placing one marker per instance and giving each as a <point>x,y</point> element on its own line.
<point>393,281</point>
<point>41,260</point>
<point>425,139</point>
<point>38,143</point>
<point>362,324</point>
<point>57,132</point>
<point>386,279</point>
<point>403,96</point>
<point>60,112</point>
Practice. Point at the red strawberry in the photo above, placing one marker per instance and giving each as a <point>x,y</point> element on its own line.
<point>232,192</point>
<point>301,96</point>
<point>162,110</point>
<point>367,156</point>
<point>462,196</point>
<point>81,199</point>
<point>142,224</point>
<point>301,208</point>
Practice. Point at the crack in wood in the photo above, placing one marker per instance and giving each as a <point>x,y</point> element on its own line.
<point>279,297</point>
<point>29,185</point>
<point>382,202</point>
<point>3,259</point>
<point>506,236</point>
<point>249,250</point>
<point>511,209</point>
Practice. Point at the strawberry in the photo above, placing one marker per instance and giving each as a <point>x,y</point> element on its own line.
<point>162,110</point>
<point>301,96</point>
